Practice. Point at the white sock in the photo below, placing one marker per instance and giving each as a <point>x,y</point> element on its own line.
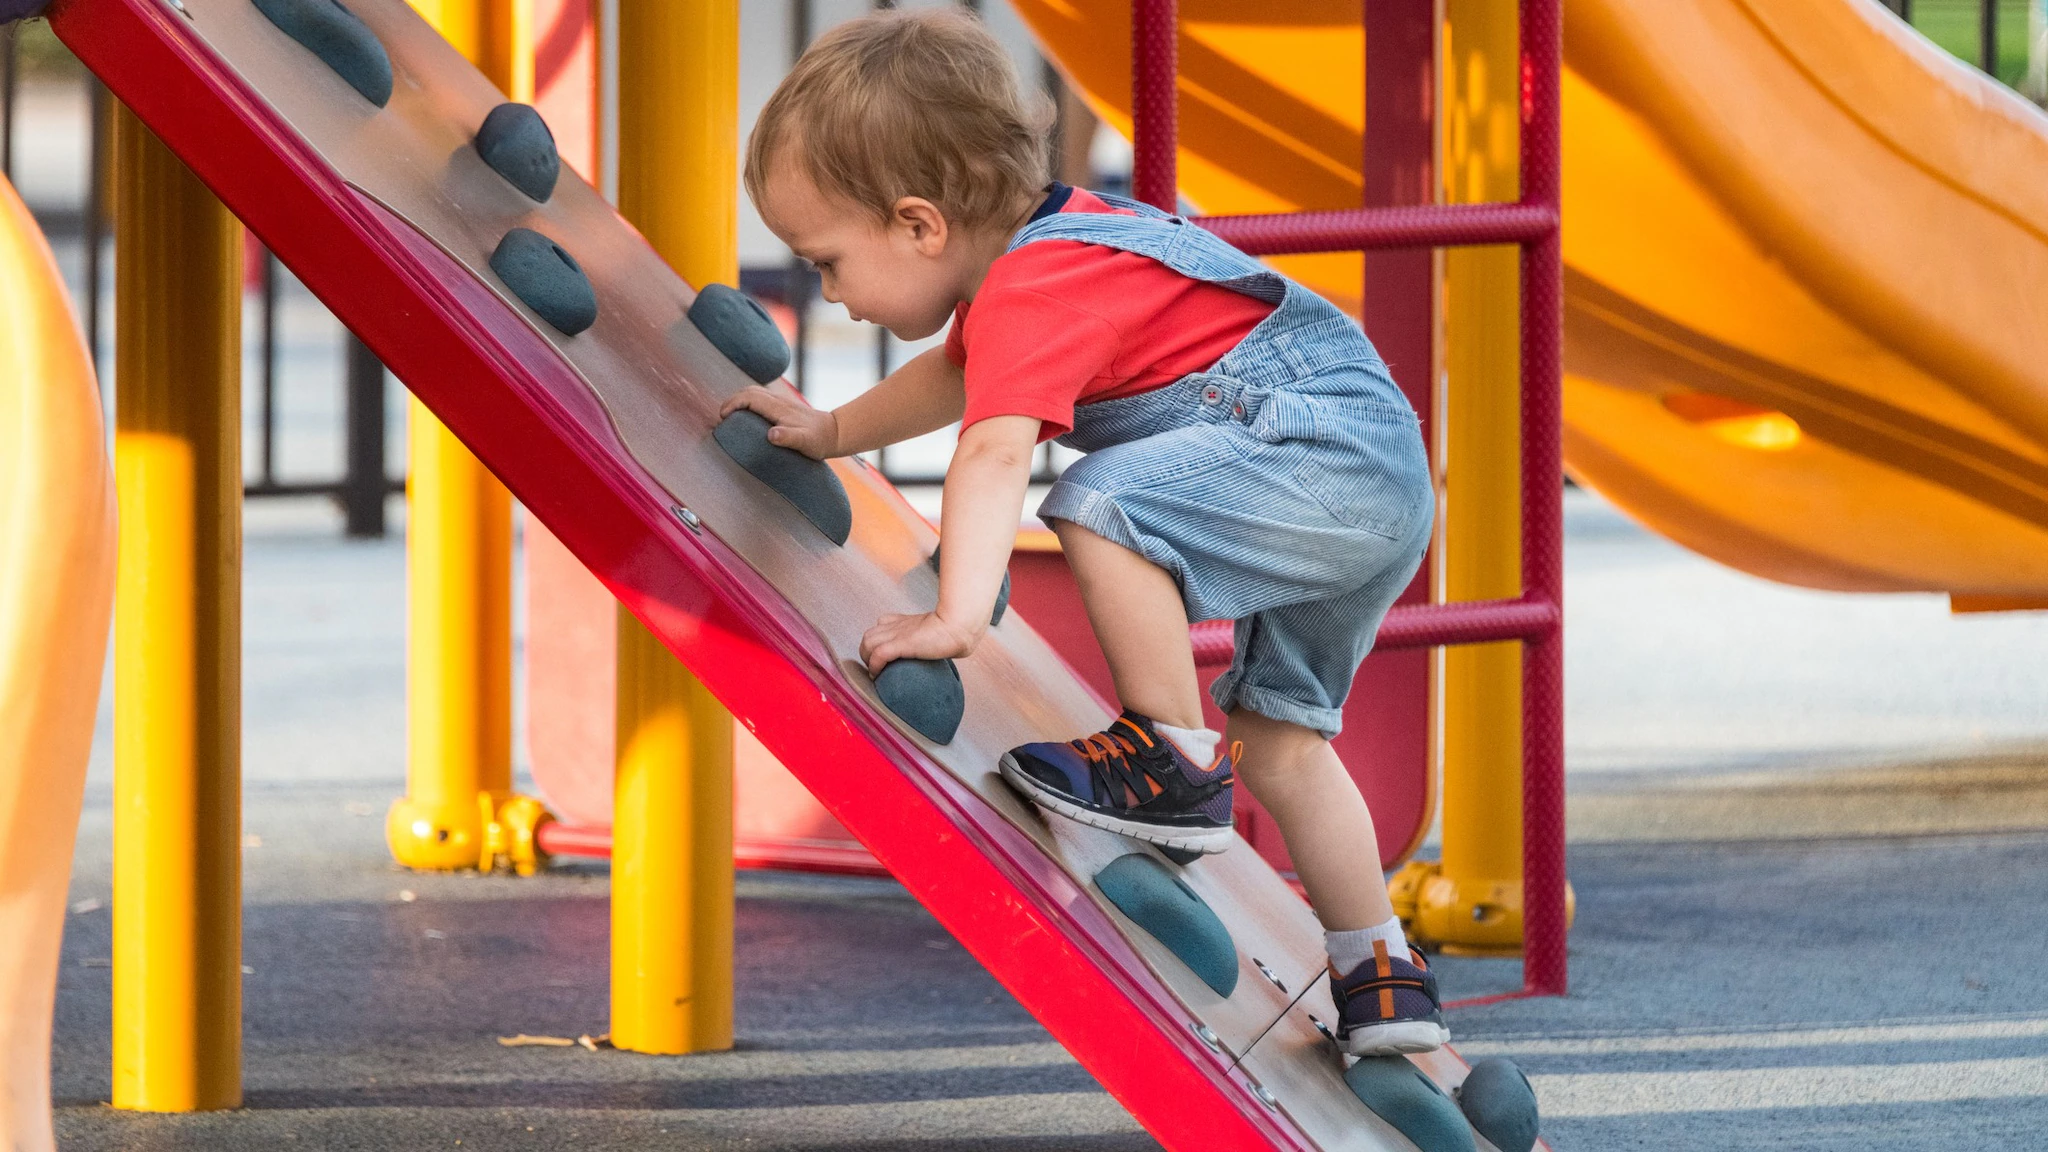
<point>1198,744</point>
<point>1350,949</point>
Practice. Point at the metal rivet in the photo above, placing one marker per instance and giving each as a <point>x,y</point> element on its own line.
<point>688,518</point>
<point>1208,1036</point>
<point>1265,1096</point>
<point>182,10</point>
<point>1323,1028</point>
<point>1268,973</point>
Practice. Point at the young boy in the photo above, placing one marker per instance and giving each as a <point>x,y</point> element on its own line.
<point>1248,458</point>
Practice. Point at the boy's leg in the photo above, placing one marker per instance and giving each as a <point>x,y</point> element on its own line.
<point>1154,774</point>
<point>1136,611</point>
<point>1386,996</point>
<point>1297,777</point>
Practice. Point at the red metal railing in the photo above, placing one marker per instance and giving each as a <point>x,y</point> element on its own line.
<point>1535,617</point>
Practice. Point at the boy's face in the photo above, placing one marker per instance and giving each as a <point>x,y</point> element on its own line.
<point>902,274</point>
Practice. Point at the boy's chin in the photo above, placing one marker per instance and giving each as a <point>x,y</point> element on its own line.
<point>918,331</point>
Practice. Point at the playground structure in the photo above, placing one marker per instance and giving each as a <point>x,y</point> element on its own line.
<point>723,598</point>
<point>363,177</point>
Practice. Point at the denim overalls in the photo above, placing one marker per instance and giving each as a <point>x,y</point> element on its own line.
<point>1286,488</point>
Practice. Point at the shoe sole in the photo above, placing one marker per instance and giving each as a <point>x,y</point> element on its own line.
<point>1207,841</point>
<point>1407,1038</point>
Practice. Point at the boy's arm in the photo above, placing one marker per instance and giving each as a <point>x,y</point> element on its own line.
<point>926,394</point>
<point>923,396</point>
<point>984,497</point>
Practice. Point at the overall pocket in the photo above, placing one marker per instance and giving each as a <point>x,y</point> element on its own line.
<point>1366,466</point>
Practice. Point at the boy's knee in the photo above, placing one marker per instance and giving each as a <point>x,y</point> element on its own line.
<point>1074,537</point>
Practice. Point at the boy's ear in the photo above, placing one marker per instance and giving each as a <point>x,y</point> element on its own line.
<point>922,222</point>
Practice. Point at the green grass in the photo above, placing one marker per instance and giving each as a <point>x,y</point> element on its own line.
<point>1953,25</point>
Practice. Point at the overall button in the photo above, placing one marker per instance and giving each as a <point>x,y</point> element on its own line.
<point>1212,395</point>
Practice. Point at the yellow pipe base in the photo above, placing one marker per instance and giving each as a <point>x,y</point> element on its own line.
<point>1463,916</point>
<point>492,832</point>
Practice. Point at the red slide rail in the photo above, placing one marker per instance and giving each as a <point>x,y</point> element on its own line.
<point>1536,616</point>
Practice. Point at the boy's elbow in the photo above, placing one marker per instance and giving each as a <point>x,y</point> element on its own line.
<point>1001,457</point>
<point>1003,443</point>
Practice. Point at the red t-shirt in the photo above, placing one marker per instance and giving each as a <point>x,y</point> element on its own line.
<point>1062,322</point>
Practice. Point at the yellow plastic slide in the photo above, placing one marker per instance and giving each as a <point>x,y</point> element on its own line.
<point>56,600</point>
<point>1806,264</point>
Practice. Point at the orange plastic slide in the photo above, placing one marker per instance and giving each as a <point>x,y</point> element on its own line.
<point>1806,257</point>
<point>56,601</point>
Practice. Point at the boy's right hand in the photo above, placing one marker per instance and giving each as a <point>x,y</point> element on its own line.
<point>797,426</point>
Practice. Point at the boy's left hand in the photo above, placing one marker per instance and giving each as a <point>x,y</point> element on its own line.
<point>922,637</point>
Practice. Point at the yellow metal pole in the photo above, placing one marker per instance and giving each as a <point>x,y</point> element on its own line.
<point>1472,902</point>
<point>177,949</point>
<point>672,872</point>
<point>459,797</point>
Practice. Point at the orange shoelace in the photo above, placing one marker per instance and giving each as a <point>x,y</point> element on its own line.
<point>1103,746</point>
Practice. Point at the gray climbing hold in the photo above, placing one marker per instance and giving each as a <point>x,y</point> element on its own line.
<point>547,279</point>
<point>739,327</point>
<point>1002,594</point>
<point>341,41</point>
<point>1398,1092</point>
<point>927,694</point>
<point>516,143</point>
<point>1163,905</point>
<point>809,484</point>
<point>1501,1106</point>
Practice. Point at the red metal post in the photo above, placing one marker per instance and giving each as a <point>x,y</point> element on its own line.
<point>1390,741</point>
<point>1543,855</point>
<point>1155,121</point>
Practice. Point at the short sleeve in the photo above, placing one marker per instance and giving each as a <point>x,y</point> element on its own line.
<point>1032,355</point>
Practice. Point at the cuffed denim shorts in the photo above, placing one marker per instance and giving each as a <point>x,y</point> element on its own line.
<point>1300,510</point>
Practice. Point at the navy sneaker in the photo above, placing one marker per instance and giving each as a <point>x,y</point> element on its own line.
<point>1388,1006</point>
<point>1130,780</point>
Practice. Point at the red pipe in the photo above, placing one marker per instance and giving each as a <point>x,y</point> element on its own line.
<point>1416,626</point>
<point>1155,121</point>
<point>1354,229</point>
<point>558,839</point>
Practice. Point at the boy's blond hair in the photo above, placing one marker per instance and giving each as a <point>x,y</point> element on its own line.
<point>899,104</point>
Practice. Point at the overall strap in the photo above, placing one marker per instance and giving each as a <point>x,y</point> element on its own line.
<point>1182,246</point>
